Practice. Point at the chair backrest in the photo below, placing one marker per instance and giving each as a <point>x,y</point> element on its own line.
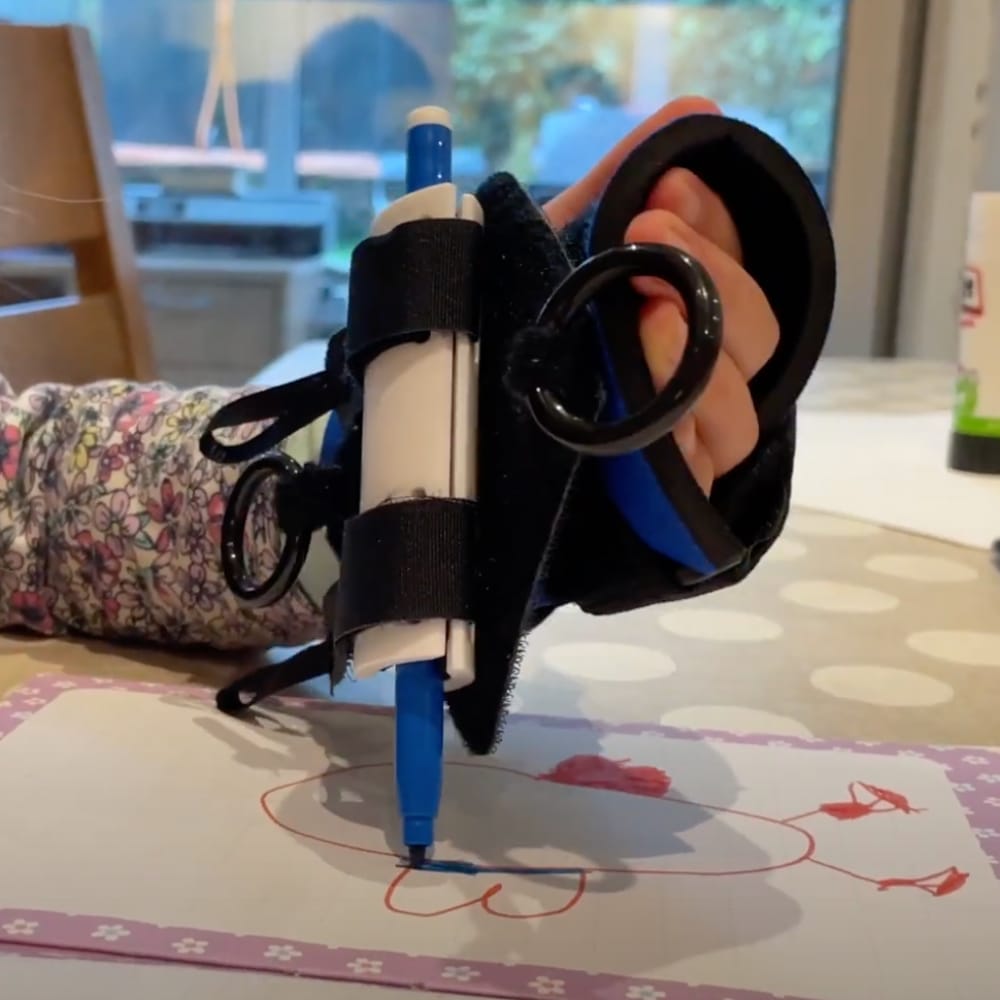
<point>59,186</point>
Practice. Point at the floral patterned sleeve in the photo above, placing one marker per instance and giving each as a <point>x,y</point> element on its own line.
<point>110,520</point>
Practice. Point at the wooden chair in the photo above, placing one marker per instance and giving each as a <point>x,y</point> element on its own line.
<point>59,186</point>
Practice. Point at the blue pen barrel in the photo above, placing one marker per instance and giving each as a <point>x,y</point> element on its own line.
<point>419,746</point>
<point>420,686</point>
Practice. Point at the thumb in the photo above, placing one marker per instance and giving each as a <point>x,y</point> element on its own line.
<point>570,204</point>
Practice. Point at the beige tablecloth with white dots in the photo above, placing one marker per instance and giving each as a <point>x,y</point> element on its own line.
<point>846,630</point>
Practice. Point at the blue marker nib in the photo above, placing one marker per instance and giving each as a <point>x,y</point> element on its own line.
<point>471,868</point>
<point>418,832</point>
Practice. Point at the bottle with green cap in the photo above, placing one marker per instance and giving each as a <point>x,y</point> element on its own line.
<point>975,437</point>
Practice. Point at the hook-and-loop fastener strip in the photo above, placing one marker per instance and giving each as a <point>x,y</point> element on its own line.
<point>407,560</point>
<point>420,276</point>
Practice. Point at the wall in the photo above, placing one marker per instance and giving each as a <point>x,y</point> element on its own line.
<point>989,171</point>
<point>947,164</point>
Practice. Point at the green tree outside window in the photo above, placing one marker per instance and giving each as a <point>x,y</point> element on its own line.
<point>778,57</point>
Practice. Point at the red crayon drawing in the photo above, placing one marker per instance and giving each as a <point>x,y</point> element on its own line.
<point>863,800</point>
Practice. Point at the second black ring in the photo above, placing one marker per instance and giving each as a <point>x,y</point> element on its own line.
<point>253,595</point>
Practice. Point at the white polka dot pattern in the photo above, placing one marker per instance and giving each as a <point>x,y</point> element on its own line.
<point>716,625</point>
<point>921,569</point>
<point>888,686</point>
<point>838,597</point>
<point>971,649</point>
<point>608,661</point>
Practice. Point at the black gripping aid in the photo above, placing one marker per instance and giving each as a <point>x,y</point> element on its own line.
<point>556,528</point>
<point>551,526</point>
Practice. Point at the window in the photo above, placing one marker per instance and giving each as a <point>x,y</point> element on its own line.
<point>281,110</point>
<point>544,89</point>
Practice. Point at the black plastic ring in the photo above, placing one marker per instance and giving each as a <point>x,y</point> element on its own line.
<point>660,415</point>
<point>782,225</point>
<point>253,595</point>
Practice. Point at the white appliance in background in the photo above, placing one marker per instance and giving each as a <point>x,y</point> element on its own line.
<point>961,40</point>
<point>298,225</point>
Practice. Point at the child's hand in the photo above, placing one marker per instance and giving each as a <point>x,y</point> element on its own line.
<point>722,428</point>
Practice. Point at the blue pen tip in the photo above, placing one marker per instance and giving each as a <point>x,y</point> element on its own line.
<point>418,856</point>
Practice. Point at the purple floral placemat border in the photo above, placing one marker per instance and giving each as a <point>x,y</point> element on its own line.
<point>974,774</point>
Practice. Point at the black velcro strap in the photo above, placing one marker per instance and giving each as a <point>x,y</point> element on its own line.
<point>406,560</point>
<point>420,276</point>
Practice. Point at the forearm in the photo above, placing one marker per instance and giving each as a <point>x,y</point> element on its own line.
<point>110,520</point>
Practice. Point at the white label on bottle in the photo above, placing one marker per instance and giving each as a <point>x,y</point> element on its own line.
<point>977,404</point>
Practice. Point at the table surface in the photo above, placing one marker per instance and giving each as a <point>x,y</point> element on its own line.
<point>846,630</point>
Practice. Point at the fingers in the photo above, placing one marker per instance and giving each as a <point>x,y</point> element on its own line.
<point>696,457</point>
<point>725,417</point>
<point>573,202</point>
<point>721,430</point>
<point>682,211</point>
<point>663,332</point>
<point>751,329</point>
<point>689,198</point>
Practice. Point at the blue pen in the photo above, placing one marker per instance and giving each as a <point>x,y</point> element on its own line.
<point>420,686</point>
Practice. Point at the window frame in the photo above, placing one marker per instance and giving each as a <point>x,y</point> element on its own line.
<point>869,175</point>
<point>871,171</point>
<point>952,130</point>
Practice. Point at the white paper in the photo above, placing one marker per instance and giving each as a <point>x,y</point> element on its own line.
<point>154,808</point>
<point>892,470</point>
